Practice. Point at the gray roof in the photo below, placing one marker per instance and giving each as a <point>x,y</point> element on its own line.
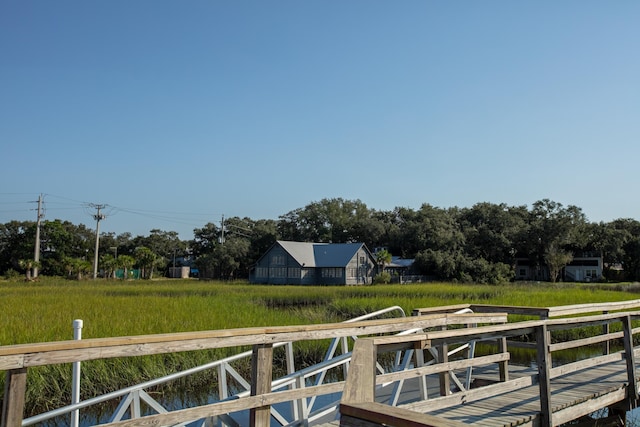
<point>398,262</point>
<point>321,254</point>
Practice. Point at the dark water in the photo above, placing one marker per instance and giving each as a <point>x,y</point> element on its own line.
<point>102,414</point>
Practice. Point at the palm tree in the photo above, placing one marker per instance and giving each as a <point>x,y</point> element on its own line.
<point>146,260</point>
<point>28,265</point>
<point>109,264</point>
<point>77,267</point>
<point>125,262</point>
<point>383,257</point>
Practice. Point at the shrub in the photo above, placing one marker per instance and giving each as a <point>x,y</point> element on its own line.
<point>12,274</point>
<point>382,278</point>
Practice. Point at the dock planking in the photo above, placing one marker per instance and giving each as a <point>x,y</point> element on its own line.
<point>568,392</point>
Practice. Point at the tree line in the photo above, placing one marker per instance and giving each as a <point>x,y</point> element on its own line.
<point>476,244</point>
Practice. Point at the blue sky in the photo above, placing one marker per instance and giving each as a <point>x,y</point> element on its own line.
<point>175,113</point>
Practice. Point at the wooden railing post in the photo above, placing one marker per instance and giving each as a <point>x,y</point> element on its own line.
<point>606,329</point>
<point>544,360</point>
<point>361,382</point>
<point>632,389</point>
<point>503,366</point>
<point>261,377</point>
<point>15,387</point>
<point>445,379</point>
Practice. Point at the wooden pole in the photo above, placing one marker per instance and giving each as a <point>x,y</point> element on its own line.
<point>261,372</point>
<point>544,364</point>
<point>632,388</point>
<point>606,330</point>
<point>14,396</point>
<point>503,366</point>
<point>361,382</point>
<point>445,379</point>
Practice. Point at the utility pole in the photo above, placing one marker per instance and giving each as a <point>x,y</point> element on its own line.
<point>98,217</point>
<point>222,228</point>
<point>36,251</point>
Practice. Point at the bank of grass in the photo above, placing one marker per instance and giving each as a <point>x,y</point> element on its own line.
<point>44,311</point>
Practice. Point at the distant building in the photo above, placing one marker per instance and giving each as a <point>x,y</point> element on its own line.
<point>302,263</point>
<point>585,267</point>
<point>400,266</point>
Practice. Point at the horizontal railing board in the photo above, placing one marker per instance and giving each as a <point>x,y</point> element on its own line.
<point>563,310</point>
<point>514,329</point>
<point>585,341</point>
<point>584,364</point>
<point>229,406</point>
<point>28,355</point>
<point>442,367</point>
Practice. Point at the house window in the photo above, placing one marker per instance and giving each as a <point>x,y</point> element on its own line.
<point>308,273</point>
<point>277,259</point>
<point>331,272</point>
<point>279,272</point>
<point>262,272</point>
<point>361,260</point>
<point>523,272</point>
<point>352,272</point>
<point>592,273</point>
<point>294,272</point>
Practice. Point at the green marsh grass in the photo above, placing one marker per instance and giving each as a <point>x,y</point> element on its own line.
<point>44,311</point>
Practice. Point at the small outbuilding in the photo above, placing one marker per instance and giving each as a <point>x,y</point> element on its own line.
<point>303,263</point>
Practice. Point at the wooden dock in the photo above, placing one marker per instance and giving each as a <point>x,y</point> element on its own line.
<point>549,396</point>
<point>501,394</point>
<point>572,396</point>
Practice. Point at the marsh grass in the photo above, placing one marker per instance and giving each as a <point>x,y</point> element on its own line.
<point>44,311</point>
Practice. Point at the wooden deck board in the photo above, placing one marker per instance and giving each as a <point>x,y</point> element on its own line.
<point>521,407</point>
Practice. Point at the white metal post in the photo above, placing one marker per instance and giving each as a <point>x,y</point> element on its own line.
<point>75,379</point>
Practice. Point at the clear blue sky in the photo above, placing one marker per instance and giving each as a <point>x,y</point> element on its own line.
<point>175,113</point>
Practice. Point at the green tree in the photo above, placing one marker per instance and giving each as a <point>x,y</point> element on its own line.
<point>205,239</point>
<point>383,257</point>
<point>492,231</point>
<point>225,259</point>
<point>61,240</point>
<point>264,233</point>
<point>125,262</point>
<point>553,226</point>
<point>76,267</point>
<point>147,260</point>
<point>165,244</point>
<point>17,239</point>
<point>556,259</point>
<point>28,265</point>
<point>108,263</point>
<point>629,231</point>
<point>331,221</point>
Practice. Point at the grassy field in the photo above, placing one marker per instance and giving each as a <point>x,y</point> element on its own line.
<point>44,311</point>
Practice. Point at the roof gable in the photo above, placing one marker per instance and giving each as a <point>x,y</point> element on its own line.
<point>335,254</point>
<point>321,254</point>
<point>302,252</point>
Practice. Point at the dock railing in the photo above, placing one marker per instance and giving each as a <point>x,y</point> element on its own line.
<point>16,360</point>
<point>360,407</point>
